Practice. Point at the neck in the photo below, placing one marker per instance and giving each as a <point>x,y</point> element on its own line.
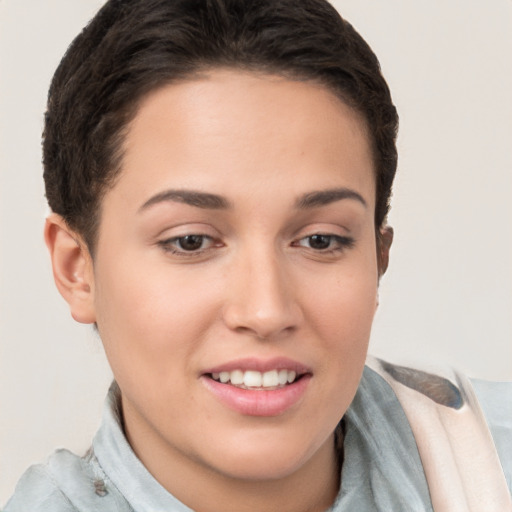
<point>313,487</point>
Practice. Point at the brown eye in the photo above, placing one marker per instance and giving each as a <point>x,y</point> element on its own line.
<point>190,242</point>
<point>191,245</point>
<point>319,242</point>
<point>325,243</point>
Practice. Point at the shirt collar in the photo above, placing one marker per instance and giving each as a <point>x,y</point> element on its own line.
<point>123,468</point>
<point>381,468</point>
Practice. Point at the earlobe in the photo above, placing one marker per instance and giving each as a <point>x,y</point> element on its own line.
<point>72,268</point>
<point>385,239</point>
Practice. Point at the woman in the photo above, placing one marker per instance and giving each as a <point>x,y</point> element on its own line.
<point>219,176</point>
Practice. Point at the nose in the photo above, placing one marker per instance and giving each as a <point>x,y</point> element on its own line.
<point>262,298</point>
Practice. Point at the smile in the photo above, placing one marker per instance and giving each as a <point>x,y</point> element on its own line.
<point>252,379</point>
<point>255,387</point>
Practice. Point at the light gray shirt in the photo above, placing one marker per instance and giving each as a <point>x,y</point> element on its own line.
<point>381,470</point>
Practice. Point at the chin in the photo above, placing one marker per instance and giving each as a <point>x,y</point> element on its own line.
<point>267,458</point>
<point>260,468</point>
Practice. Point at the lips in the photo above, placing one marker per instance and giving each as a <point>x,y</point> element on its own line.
<point>258,388</point>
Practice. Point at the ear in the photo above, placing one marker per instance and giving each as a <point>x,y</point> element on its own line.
<point>385,239</point>
<point>72,268</point>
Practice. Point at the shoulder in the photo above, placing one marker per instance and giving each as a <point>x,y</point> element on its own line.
<point>469,413</point>
<point>495,399</point>
<point>38,491</point>
<point>66,483</point>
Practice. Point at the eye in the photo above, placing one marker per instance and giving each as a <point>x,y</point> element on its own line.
<point>191,244</point>
<point>325,243</point>
<point>319,241</point>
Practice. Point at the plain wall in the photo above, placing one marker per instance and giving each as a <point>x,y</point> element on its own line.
<point>447,297</point>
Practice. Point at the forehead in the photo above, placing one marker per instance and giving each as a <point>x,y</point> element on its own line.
<point>228,126</point>
<point>233,97</point>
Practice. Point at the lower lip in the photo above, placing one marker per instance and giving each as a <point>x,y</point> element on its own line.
<point>258,402</point>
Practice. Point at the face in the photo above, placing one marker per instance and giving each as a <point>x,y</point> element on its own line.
<point>235,277</point>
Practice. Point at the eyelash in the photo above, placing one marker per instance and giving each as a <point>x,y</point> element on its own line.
<point>342,243</point>
<point>171,245</point>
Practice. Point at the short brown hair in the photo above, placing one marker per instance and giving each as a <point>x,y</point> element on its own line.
<point>134,46</point>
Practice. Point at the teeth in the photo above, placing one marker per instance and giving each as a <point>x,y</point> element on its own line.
<point>237,377</point>
<point>282,377</point>
<point>255,379</point>
<point>252,379</point>
<point>270,379</point>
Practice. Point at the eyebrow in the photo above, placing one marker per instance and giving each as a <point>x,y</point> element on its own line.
<point>325,197</point>
<point>209,201</point>
<point>191,197</point>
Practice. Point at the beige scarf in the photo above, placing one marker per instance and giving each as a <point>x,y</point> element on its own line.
<point>459,458</point>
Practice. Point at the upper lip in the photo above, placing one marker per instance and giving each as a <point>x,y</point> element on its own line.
<point>260,365</point>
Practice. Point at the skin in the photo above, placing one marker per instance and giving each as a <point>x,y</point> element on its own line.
<point>257,287</point>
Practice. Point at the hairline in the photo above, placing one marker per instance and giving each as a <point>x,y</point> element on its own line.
<point>203,71</point>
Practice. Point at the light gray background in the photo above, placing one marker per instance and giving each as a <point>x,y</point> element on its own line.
<point>448,295</point>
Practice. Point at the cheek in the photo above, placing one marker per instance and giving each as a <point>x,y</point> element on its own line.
<point>149,319</point>
<point>343,304</point>
<point>343,318</point>
<point>347,311</point>
<point>341,312</point>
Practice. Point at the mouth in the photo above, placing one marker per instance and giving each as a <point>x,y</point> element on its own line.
<point>256,380</point>
<point>255,387</point>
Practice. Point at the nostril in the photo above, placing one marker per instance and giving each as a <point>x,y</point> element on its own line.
<point>262,304</point>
